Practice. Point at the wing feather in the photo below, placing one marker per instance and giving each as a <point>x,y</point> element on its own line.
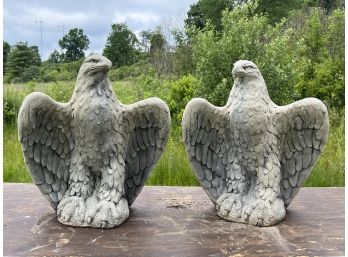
<point>42,126</point>
<point>149,123</point>
<point>304,126</point>
<point>205,132</point>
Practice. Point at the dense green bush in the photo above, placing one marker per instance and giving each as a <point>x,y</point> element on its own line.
<point>243,36</point>
<point>321,59</point>
<point>181,93</point>
<point>299,57</point>
<point>60,92</point>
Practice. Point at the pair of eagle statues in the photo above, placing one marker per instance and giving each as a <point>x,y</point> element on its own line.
<point>90,157</point>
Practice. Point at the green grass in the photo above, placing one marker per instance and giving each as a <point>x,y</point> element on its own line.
<point>329,170</point>
<point>174,168</point>
<point>14,166</point>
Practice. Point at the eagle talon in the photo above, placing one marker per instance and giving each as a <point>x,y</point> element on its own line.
<point>109,214</point>
<point>71,210</point>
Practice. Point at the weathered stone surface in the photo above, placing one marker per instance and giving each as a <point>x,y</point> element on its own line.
<point>257,152</point>
<point>81,153</point>
<point>175,221</point>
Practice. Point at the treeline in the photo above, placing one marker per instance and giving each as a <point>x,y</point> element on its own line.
<point>297,44</point>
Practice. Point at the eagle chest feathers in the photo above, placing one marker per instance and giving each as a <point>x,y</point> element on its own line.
<point>96,115</point>
<point>248,116</point>
<point>95,121</point>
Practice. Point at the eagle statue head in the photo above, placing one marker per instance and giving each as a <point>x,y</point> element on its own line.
<point>94,68</point>
<point>93,73</point>
<point>244,69</point>
<point>248,80</point>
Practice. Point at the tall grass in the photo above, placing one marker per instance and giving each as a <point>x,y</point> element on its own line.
<point>329,170</point>
<point>174,168</point>
<point>14,166</point>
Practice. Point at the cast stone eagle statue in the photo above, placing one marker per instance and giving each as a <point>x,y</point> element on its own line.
<point>252,156</point>
<point>90,157</point>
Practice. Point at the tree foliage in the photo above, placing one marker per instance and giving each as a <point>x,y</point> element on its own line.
<point>145,38</point>
<point>6,48</point>
<point>121,45</point>
<point>20,58</point>
<point>321,59</point>
<point>74,43</point>
<point>299,57</point>
<point>278,9</point>
<point>157,42</point>
<point>204,10</point>
<point>181,92</point>
<point>55,57</point>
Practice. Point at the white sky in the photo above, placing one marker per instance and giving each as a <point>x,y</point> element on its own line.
<point>94,17</point>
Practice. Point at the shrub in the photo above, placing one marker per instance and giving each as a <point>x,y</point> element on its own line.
<point>299,57</point>
<point>181,92</point>
<point>128,72</point>
<point>60,92</point>
<point>30,73</point>
<point>13,99</point>
<point>321,60</point>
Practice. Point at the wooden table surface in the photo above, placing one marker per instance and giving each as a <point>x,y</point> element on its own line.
<point>175,221</point>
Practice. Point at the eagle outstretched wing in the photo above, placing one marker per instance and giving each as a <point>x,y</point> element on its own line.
<point>207,140</point>
<point>303,128</point>
<point>149,123</point>
<point>47,142</point>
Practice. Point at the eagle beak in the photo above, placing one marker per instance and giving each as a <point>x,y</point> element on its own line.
<point>238,71</point>
<point>105,66</point>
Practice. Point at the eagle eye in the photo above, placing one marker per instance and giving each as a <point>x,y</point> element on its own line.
<point>248,67</point>
<point>93,60</point>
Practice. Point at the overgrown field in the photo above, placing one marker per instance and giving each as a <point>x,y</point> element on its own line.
<point>173,167</point>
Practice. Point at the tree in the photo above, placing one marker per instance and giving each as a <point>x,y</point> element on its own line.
<point>21,57</point>
<point>145,37</point>
<point>321,62</point>
<point>278,9</point>
<point>160,56</point>
<point>74,43</point>
<point>330,5</point>
<point>120,46</point>
<point>55,57</point>
<point>302,56</point>
<point>157,42</point>
<point>6,51</point>
<point>204,10</point>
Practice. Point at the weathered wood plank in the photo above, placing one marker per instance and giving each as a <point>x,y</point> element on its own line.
<point>175,221</point>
